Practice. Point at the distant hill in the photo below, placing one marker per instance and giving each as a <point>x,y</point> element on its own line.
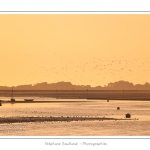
<point>120,85</point>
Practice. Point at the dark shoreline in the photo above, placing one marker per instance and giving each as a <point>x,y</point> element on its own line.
<point>81,94</point>
<point>70,101</point>
<point>56,101</point>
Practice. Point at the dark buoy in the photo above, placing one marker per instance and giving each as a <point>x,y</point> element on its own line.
<point>108,100</point>
<point>0,104</point>
<point>118,108</point>
<point>128,115</point>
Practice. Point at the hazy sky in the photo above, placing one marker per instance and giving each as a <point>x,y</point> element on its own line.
<point>82,49</point>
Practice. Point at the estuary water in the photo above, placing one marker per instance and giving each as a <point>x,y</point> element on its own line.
<point>139,110</point>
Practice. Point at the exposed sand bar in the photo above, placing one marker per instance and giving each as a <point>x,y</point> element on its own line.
<point>50,119</point>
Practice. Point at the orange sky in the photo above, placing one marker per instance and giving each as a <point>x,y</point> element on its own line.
<point>82,49</point>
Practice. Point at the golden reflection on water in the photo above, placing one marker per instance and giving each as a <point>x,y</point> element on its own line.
<point>137,109</point>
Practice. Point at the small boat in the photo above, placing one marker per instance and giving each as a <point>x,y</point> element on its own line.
<point>28,100</point>
<point>12,99</point>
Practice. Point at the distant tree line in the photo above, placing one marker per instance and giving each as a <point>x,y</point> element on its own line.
<point>120,85</point>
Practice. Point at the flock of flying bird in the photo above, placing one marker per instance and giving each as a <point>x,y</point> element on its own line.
<point>82,69</point>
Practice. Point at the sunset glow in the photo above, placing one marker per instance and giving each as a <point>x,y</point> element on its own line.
<point>81,49</point>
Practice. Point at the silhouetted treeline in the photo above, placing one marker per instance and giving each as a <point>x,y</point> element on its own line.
<point>120,85</point>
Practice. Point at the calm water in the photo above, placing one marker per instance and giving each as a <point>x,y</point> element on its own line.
<point>137,109</point>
